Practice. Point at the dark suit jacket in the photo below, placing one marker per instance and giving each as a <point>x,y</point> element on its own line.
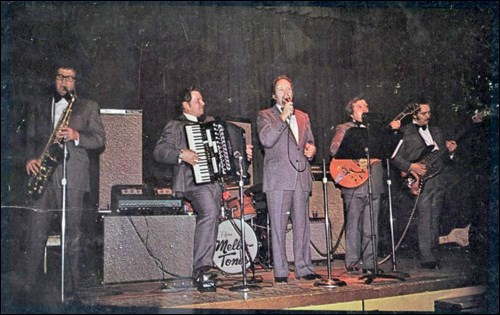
<point>86,119</point>
<point>281,148</point>
<point>414,146</point>
<point>167,149</point>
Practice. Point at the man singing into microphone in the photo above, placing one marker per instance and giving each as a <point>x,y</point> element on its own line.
<point>288,142</point>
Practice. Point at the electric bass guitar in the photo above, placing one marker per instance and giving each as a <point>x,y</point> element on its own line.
<point>432,159</point>
<point>350,173</point>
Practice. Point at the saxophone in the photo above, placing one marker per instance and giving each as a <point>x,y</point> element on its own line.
<point>52,155</point>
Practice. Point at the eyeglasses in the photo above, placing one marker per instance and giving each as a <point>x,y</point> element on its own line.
<point>66,78</point>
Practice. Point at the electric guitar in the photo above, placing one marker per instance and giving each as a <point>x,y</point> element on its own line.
<point>350,173</point>
<point>432,160</point>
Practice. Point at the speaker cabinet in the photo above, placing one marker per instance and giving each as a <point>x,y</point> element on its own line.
<point>317,221</point>
<point>318,241</point>
<point>335,212</point>
<point>144,248</point>
<point>121,161</point>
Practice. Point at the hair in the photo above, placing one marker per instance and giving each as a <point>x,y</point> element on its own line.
<point>421,100</point>
<point>281,77</point>
<point>348,107</point>
<point>65,64</point>
<point>185,95</point>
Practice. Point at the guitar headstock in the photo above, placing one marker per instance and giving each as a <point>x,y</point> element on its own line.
<point>411,109</point>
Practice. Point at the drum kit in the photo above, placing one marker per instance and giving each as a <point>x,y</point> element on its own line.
<point>227,256</point>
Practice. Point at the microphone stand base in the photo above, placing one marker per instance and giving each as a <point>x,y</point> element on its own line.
<point>245,288</point>
<point>370,278</point>
<point>398,274</point>
<point>329,283</point>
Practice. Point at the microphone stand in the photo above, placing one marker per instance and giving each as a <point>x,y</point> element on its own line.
<point>393,255</point>
<point>244,287</point>
<point>370,277</point>
<point>329,283</point>
<point>63,218</point>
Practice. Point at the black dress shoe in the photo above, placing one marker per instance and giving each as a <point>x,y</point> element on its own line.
<point>353,270</point>
<point>280,280</point>
<point>372,271</point>
<point>309,277</point>
<point>205,283</point>
<point>430,265</point>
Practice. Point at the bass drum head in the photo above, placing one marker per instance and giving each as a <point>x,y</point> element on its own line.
<point>227,256</point>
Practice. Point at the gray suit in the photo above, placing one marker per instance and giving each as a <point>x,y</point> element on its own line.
<point>287,183</point>
<point>85,118</point>
<point>431,198</point>
<point>205,199</point>
<point>357,209</point>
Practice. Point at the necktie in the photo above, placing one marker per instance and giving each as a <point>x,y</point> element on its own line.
<point>295,128</point>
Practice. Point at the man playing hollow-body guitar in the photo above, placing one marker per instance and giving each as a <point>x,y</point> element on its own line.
<point>352,177</point>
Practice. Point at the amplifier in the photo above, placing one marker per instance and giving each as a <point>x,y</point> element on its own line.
<point>142,200</point>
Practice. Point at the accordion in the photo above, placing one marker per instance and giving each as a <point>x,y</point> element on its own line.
<point>220,146</point>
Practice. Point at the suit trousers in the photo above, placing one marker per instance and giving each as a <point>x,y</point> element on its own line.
<point>295,203</point>
<point>429,205</point>
<point>45,210</point>
<point>358,226</point>
<point>206,202</point>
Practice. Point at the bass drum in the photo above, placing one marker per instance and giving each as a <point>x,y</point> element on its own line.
<point>227,256</point>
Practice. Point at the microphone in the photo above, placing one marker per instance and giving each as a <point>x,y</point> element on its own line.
<point>289,100</point>
<point>237,155</point>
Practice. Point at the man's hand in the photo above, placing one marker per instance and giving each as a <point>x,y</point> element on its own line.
<point>68,134</point>
<point>249,152</point>
<point>189,157</point>
<point>33,166</point>
<point>310,150</point>
<point>395,124</point>
<point>418,168</point>
<point>451,145</point>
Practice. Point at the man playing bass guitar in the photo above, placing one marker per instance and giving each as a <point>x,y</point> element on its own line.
<point>421,155</point>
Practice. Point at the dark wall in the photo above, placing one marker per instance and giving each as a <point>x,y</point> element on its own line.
<point>140,55</point>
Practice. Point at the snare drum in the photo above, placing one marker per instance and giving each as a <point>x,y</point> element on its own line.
<point>234,208</point>
<point>227,256</point>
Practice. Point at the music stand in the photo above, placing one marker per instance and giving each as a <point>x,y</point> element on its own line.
<point>356,144</point>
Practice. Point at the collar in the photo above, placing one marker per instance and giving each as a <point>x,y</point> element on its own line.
<point>191,117</point>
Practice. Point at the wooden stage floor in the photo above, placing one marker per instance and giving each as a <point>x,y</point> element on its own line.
<point>459,270</point>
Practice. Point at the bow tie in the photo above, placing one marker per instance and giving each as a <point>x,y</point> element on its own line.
<point>359,124</point>
<point>58,97</point>
<point>424,127</point>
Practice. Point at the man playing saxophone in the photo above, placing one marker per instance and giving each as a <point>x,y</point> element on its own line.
<point>63,119</point>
